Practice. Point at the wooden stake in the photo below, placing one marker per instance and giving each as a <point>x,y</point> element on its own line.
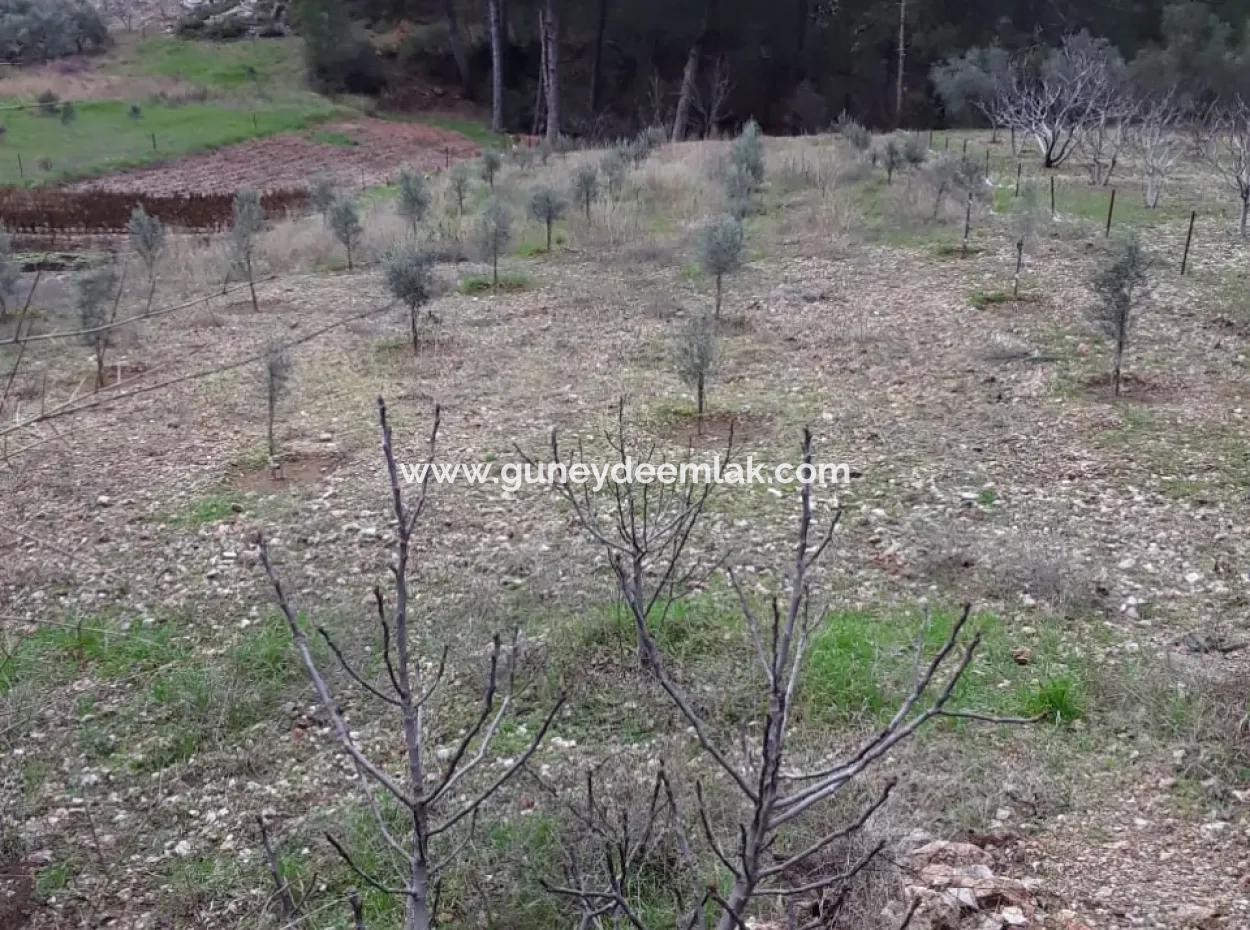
<point>1110,210</point>
<point>965,152</point>
<point>987,164</point>
<point>967,222</point>
<point>153,142</point>
<point>1189,237</point>
<point>20,170</point>
<point>1019,168</point>
<point>1052,195</point>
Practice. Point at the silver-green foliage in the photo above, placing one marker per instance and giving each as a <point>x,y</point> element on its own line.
<point>344,220</point>
<point>546,206</point>
<point>248,223</point>
<point>720,250</point>
<point>491,162</point>
<point>494,232</point>
<point>747,153</point>
<point>413,200</point>
<point>1117,286</point>
<point>278,368</point>
<point>10,273</point>
<point>586,187</point>
<point>696,357</point>
<point>409,278</point>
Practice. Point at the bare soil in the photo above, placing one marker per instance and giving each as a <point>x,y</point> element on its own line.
<point>292,160</point>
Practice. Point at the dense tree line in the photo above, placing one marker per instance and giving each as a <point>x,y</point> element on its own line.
<point>792,64</point>
<point>33,31</point>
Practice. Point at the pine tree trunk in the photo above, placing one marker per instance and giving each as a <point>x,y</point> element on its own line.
<point>540,97</point>
<point>457,45</point>
<point>496,66</point>
<point>596,62</point>
<point>551,39</point>
<point>902,60</point>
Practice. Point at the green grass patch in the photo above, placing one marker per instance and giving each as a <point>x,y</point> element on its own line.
<point>474,130</point>
<point>982,299</point>
<point>98,645</point>
<point>211,508</point>
<point>105,137</point>
<point>244,66</point>
<point>862,665</point>
<point>479,283</point>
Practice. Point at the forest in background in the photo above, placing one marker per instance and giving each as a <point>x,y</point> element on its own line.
<point>793,65</point>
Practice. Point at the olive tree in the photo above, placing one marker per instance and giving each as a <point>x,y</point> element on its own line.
<point>696,359</point>
<point>748,153</point>
<point>248,223</point>
<point>92,296</point>
<point>459,182</point>
<point>1117,287</point>
<point>494,232</point>
<point>491,163</point>
<point>720,251</point>
<point>147,238</point>
<point>322,194</point>
<point>10,273</point>
<point>414,199</point>
<point>546,206</point>
<point>586,187</point>
<point>345,224</point>
<point>409,278</point>
<point>277,372</point>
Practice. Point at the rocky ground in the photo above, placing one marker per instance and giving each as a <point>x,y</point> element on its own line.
<point>991,465</point>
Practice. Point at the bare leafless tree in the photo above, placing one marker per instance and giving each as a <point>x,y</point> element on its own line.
<point>1052,97</point>
<point>430,798</point>
<point>1156,139</point>
<point>710,103</point>
<point>1227,151</point>
<point>1106,134</point>
<point>759,855</point>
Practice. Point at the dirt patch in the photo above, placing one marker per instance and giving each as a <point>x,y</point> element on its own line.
<point>1132,388</point>
<point>17,892</point>
<point>713,429</point>
<point>374,151</point>
<point>298,471</point>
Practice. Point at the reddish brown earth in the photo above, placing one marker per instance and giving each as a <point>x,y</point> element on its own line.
<point>293,159</point>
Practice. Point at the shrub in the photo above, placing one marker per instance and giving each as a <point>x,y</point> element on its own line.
<point>338,55</point>
<point>915,150</point>
<point>37,30</point>
<point>47,103</point>
<point>854,132</point>
<point>738,191</point>
<point>586,187</point>
<point>747,153</point>
<point>414,199</point>
<point>720,251</point>
<point>409,277</point>
<point>494,231</point>
<point>546,206</point>
<point>344,220</point>
<point>69,112</point>
<point>892,158</point>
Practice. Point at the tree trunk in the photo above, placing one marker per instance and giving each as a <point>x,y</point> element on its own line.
<point>540,97</point>
<point>551,39</point>
<point>902,60</point>
<point>548,235</point>
<point>719,292</point>
<point>1015,283</point>
<point>1119,358</point>
<point>690,77</point>
<point>273,446</point>
<point>596,61</point>
<point>1245,209</point>
<point>496,65</point>
<point>457,45</point>
<point>251,286</point>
